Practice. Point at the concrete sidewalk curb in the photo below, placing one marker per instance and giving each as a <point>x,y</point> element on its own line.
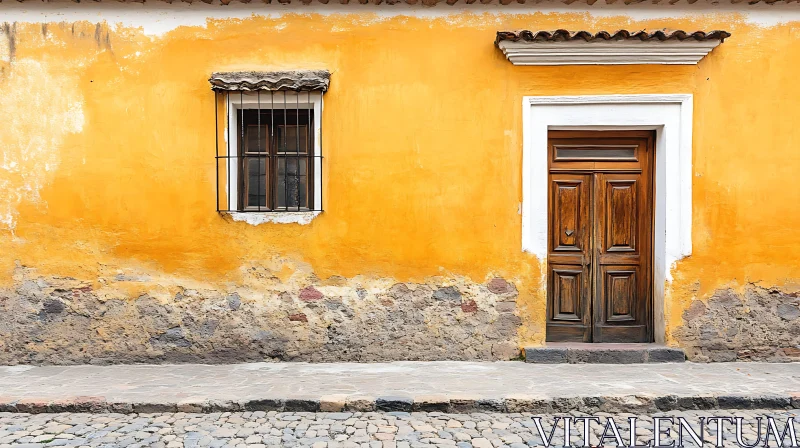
<point>420,403</point>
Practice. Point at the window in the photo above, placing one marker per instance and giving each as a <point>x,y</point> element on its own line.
<point>269,157</point>
<point>276,160</point>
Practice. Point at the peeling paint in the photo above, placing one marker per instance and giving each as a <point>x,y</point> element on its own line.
<point>8,44</point>
<point>39,110</point>
<point>302,218</point>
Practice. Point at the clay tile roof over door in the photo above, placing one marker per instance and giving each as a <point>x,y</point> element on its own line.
<point>622,47</point>
<point>565,35</point>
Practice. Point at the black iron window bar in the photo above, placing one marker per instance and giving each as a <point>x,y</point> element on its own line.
<point>268,158</point>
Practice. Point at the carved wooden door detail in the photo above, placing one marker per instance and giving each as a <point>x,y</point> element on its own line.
<point>569,276</point>
<point>599,282</point>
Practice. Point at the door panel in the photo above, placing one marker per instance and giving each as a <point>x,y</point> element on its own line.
<point>620,293</point>
<point>620,228</point>
<point>600,232</point>
<point>570,198</point>
<point>592,150</point>
<point>568,293</point>
<point>569,282</point>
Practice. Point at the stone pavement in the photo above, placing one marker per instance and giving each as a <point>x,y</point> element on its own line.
<point>399,386</point>
<point>344,429</point>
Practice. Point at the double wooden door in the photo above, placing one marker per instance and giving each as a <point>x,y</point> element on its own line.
<point>600,228</point>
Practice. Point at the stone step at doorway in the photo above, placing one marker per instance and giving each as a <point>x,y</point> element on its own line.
<point>604,353</point>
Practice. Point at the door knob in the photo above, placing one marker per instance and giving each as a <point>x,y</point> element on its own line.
<point>569,232</point>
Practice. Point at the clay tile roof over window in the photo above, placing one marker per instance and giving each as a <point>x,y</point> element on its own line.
<point>565,35</point>
<point>281,80</point>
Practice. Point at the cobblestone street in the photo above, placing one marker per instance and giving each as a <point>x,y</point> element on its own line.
<point>344,429</point>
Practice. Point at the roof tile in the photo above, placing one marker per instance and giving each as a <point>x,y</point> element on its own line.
<point>280,80</point>
<point>566,35</point>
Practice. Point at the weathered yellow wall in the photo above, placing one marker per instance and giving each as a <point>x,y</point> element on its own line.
<point>108,151</point>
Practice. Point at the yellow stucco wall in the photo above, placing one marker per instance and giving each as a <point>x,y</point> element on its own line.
<point>108,150</point>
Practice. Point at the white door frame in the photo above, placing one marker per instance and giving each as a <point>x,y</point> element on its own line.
<point>670,116</point>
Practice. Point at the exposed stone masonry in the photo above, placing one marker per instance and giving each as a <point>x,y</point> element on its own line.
<point>67,321</point>
<point>758,324</point>
<point>52,320</point>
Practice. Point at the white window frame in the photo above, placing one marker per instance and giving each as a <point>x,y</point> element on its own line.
<point>670,116</point>
<point>272,101</point>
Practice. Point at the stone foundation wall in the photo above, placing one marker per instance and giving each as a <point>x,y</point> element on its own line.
<point>67,321</point>
<point>54,320</point>
<point>756,325</point>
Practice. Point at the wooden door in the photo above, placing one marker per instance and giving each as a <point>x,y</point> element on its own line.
<point>569,274</point>
<point>600,237</point>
